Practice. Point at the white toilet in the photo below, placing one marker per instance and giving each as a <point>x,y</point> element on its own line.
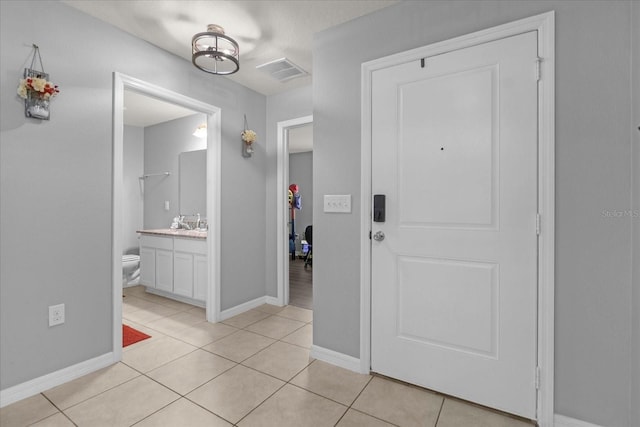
<point>130,270</point>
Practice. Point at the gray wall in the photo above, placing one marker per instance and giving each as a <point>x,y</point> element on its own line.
<point>56,177</point>
<point>162,145</point>
<point>635,141</point>
<point>593,253</point>
<point>301,173</point>
<point>132,197</point>
<point>285,106</point>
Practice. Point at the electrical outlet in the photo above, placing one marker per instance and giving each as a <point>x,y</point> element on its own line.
<point>56,315</point>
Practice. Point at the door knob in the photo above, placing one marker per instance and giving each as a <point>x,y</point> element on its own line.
<point>379,236</point>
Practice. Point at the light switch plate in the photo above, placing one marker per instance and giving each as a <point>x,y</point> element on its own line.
<point>339,203</point>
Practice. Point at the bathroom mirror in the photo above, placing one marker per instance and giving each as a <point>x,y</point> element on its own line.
<point>193,182</point>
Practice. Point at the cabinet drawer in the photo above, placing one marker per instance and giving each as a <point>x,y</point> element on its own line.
<point>157,242</point>
<point>190,245</point>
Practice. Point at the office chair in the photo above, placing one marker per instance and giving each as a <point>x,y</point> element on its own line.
<point>308,236</point>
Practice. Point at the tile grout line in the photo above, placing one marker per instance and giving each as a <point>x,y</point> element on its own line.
<point>159,409</point>
<point>208,410</point>
<point>59,411</point>
<point>440,412</point>
<point>261,403</point>
<point>362,412</point>
<point>140,374</point>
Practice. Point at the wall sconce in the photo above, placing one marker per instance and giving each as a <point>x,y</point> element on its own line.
<point>201,131</point>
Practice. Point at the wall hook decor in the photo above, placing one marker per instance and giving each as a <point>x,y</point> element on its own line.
<point>36,89</point>
<point>248,138</point>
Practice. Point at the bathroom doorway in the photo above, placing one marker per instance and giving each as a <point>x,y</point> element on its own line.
<point>130,88</point>
<point>300,146</point>
<point>156,136</point>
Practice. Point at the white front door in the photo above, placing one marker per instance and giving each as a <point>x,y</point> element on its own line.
<point>454,281</point>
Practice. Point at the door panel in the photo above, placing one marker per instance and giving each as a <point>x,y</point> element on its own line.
<point>454,283</point>
<point>457,146</point>
<point>458,304</point>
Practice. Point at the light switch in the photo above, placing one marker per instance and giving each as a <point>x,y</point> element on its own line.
<point>340,203</point>
<point>166,205</point>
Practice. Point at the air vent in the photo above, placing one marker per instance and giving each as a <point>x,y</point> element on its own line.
<point>282,69</point>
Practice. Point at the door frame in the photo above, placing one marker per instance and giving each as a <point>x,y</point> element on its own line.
<point>544,24</point>
<point>214,150</point>
<point>282,198</point>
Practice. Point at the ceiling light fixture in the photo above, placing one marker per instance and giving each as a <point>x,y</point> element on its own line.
<point>214,52</point>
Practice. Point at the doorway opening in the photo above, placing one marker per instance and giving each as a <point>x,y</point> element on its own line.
<point>301,216</point>
<point>207,113</point>
<point>283,214</point>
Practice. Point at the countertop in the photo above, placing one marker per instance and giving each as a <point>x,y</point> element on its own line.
<point>190,234</point>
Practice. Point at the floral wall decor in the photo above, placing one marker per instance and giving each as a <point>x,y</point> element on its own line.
<point>248,137</point>
<point>36,89</point>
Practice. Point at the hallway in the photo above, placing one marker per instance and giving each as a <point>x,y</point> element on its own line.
<point>253,369</point>
<point>300,284</point>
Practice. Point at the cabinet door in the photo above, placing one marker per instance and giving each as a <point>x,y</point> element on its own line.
<point>200,277</point>
<point>164,270</point>
<point>147,266</point>
<point>183,274</point>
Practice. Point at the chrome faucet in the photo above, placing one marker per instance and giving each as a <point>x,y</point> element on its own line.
<point>183,224</point>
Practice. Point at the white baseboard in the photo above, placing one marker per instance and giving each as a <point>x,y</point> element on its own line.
<point>175,297</point>
<point>338,359</point>
<point>273,301</point>
<point>38,385</point>
<point>239,309</point>
<point>562,421</point>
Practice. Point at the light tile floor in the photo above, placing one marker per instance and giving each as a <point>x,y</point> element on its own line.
<point>250,370</point>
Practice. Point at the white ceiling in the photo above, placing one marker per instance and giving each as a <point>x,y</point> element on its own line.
<point>143,111</point>
<point>265,30</point>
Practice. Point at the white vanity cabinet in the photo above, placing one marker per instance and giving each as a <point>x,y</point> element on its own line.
<point>174,267</point>
<point>147,265</point>
<point>156,262</point>
<point>164,269</point>
<point>188,278</point>
<point>200,276</point>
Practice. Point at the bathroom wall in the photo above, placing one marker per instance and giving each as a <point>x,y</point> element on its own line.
<point>132,195</point>
<point>594,75</point>
<point>288,105</point>
<point>162,145</point>
<point>59,173</point>
<point>301,173</point>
